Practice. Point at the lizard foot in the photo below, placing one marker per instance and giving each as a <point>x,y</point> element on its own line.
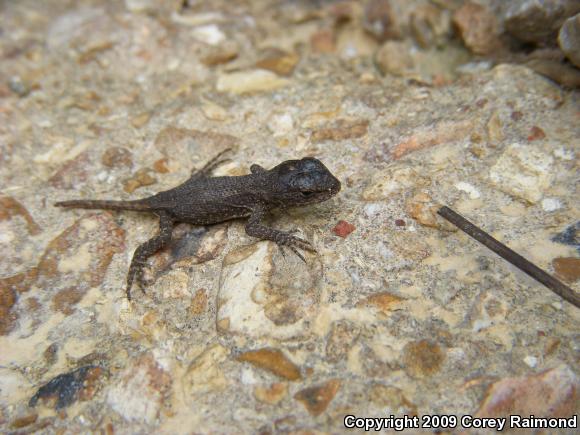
<point>135,274</point>
<point>285,239</point>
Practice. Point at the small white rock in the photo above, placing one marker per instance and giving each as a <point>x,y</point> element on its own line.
<point>564,154</point>
<point>197,19</point>
<point>244,82</point>
<point>248,377</point>
<point>469,189</point>
<point>372,209</point>
<point>281,124</point>
<point>551,204</point>
<point>140,5</point>
<point>213,111</point>
<point>531,361</point>
<point>210,34</point>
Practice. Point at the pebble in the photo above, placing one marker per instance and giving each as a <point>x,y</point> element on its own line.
<point>160,166</point>
<point>430,25</point>
<point>141,119</point>
<point>381,20</point>
<point>213,111</point>
<point>281,124</point>
<point>274,361</point>
<point>476,67</point>
<point>141,5</point>
<point>551,393</point>
<point>67,388</point>
<point>316,399</point>
<point>495,128</point>
<point>569,39</point>
<point>538,21</point>
<point>372,209</point>
<point>24,421</point>
<point>536,133</point>
<point>531,361</point>
<point>523,171</point>
<point>279,62</point>
<point>551,204</point>
<point>469,189</point>
<point>565,75</point>
<point>223,53</point>
<point>567,268</point>
<point>139,179</point>
<point>423,209</point>
<point>198,19</point>
<point>383,301</point>
<point>422,358</point>
<point>343,229</point>
<point>478,28</point>
<point>246,82</point>
<point>394,58</point>
<point>210,34</point>
<point>19,86</point>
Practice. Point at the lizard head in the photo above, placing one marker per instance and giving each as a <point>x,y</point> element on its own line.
<point>301,182</point>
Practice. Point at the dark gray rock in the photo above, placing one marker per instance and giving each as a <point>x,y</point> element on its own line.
<point>538,21</point>
<point>569,39</point>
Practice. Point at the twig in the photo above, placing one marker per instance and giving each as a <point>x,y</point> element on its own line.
<point>514,258</point>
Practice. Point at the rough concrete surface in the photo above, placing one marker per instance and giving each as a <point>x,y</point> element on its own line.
<point>397,313</point>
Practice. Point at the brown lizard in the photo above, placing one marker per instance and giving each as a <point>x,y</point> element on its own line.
<point>205,200</point>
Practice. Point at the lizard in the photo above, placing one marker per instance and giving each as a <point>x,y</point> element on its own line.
<point>206,200</point>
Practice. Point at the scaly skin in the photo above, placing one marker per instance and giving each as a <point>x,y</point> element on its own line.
<point>205,200</point>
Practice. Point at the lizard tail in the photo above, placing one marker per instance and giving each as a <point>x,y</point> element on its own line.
<point>107,205</point>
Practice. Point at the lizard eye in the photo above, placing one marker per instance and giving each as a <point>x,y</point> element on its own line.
<point>306,194</point>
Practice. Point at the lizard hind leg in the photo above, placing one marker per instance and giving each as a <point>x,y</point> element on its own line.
<point>147,249</point>
<point>211,165</point>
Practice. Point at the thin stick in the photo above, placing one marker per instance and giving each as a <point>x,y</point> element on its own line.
<point>517,260</point>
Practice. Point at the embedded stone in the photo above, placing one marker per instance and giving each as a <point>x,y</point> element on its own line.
<point>523,171</point>
<point>274,361</point>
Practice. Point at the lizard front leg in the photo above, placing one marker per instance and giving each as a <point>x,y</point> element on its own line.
<point>255,228</point>
<point>148,248</point>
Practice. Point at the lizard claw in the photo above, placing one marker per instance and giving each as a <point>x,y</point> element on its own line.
<point>293,249</point>
<point>286,239</point>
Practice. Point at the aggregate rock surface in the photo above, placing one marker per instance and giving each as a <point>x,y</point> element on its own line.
<point>396,313</point>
